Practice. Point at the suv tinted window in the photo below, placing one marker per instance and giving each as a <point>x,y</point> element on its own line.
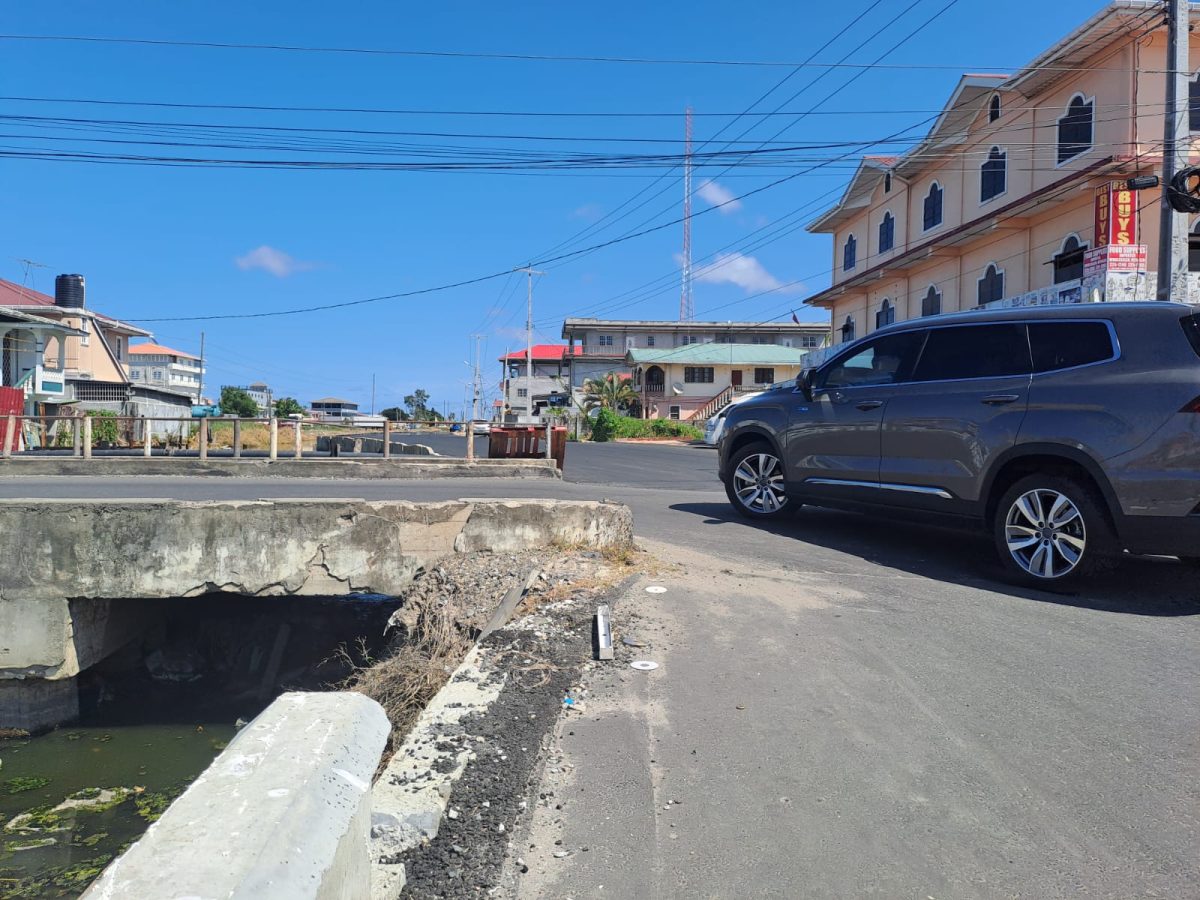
<point>974,351</point>
<point>1191,327</point>
<point>884,360</point>
<point>1061,345</point>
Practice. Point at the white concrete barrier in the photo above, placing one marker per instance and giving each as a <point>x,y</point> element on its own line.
<point>284,813</point>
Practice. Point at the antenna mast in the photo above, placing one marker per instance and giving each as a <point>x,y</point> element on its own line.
<point>687,309</point>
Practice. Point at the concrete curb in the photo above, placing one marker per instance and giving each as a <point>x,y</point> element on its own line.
<point>409,799</point>
<point>282,814</point>
<point>424,467</point>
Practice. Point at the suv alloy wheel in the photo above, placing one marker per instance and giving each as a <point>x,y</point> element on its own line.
<point>755,485</point>
<point>1050,529</point>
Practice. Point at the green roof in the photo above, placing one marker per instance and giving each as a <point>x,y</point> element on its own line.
<point>717,354</point>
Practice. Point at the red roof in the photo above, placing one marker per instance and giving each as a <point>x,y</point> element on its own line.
<point>540,351</point>
<point>160,349</point>
<point>15,295</point>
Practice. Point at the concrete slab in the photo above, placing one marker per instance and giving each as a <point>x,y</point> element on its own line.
<point>282,814</point>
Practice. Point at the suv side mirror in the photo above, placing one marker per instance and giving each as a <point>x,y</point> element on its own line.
<point>804,384</point>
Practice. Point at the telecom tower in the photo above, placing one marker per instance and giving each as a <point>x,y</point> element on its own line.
<point>687,309</point>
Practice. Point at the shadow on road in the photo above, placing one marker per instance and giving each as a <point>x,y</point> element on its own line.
<point>1143,586</point>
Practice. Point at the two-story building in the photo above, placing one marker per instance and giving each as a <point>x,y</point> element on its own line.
<point>673,373</point>
<point>82,366</point>
<point>528,395</point>
<point>161,367</point>
<point>999,203</point>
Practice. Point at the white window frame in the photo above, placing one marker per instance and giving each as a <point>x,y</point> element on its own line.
<point>941,221</point>
<point>1090,101</point>
<point>1004,152</point>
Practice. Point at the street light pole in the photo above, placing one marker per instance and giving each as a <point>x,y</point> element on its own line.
<point>1173,225</point>
<point>529,272</point>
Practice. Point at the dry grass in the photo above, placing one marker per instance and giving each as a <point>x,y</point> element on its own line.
<point>434,643</point>
<point>257,435</point>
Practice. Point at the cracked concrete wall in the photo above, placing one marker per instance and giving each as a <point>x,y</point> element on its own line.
<point>71,568</point>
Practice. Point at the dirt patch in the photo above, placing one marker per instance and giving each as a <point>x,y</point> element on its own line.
<point>448,606</point>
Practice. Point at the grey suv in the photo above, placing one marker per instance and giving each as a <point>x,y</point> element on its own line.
<point>1071,432</point>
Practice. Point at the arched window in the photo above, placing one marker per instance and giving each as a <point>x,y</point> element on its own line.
<point>994,108</point>
<point>849,253</point>
<point>848,330</point>
<point>1068,261</point>
<point>991,285</point>
<point>886,314</point>
<point>1075,129</point>
<point>1194,103</point>
<point>887,232</point>
<point>887,182</point>
<point>993,175</point>
<point>933,206</point>
<point>931,303</point>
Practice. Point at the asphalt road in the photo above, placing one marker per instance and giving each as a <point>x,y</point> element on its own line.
<point>935,731</point>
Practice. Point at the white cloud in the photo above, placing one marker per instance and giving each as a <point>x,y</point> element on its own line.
<point>278,263</point>
<point>744,271</point>
<point>589,212</point>
<point>715,194</point>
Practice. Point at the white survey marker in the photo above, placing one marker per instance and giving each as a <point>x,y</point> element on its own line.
<point>604,643</point>
<point>643,665</point>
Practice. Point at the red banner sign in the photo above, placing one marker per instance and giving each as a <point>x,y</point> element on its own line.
<point>1116,215</point>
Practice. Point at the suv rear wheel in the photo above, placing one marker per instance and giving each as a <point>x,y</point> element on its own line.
<point>755,485</point>
<point>1051,529</point>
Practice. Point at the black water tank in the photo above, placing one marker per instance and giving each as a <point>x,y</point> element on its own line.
<point>68,291</point>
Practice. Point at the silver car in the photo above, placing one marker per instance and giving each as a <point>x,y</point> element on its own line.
<point>1071,432</point>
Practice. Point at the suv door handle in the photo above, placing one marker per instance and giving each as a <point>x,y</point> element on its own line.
<point>866,405</point>
<point>1000,399</point>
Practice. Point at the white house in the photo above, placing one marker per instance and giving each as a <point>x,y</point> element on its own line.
<point>161,367</point>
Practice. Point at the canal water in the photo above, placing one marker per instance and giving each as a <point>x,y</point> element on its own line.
<point>152,718</point>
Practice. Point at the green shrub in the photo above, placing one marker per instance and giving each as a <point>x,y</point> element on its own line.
<point>104,426</point>
<point>608,426</point>
<point>604,426</point>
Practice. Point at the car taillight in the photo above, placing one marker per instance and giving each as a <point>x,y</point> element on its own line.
<point>1194,406</point>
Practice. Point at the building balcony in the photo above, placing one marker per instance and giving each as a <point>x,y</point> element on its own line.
<point>609,352</point>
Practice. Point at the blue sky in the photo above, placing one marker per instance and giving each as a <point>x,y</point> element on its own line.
<point>168,242</point>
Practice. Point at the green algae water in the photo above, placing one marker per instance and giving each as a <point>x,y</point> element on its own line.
<point>120,779</point>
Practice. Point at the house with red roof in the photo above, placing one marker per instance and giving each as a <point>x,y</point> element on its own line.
<point>165,368</point>
<point>530,383</point>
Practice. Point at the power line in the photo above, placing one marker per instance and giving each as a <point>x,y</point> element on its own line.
<point>520,57</point>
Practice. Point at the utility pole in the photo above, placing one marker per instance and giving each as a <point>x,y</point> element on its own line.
<point>372,393</point>
<point>200,389</point>
<point>529,272</point>
<point>1173,225</point>
<point>477,381</point>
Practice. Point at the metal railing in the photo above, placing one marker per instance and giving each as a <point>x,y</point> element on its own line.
<point>287,438</point>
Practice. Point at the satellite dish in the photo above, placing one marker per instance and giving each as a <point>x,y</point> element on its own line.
<point>677,388</point>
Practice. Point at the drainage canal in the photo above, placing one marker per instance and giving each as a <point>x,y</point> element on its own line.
<point>153,716</point>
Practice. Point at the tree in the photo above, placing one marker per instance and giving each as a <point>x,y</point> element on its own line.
<point>610,392</point>
<point>288,406</point>
<point>394,414</point>
<point>236,402</point>
<point>418,404</point>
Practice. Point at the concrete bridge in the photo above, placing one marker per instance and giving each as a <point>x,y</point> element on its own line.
<point>79,580</point>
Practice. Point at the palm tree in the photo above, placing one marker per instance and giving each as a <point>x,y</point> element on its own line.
<point>610,392</point>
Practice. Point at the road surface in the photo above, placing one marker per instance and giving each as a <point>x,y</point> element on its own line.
<point>910,725</point>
